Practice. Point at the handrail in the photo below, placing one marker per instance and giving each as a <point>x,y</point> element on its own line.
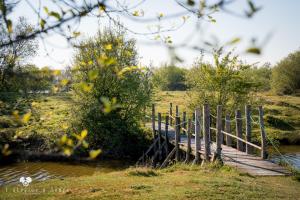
<point>249,143</point>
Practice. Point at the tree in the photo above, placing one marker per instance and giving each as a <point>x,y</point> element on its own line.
<point>286,74</point>
<point>170,78</point>
<point>14,56</point>
<point>223,83</point>
<point>112,92</point>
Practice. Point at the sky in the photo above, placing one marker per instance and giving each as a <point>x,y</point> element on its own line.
<point>275,28</point>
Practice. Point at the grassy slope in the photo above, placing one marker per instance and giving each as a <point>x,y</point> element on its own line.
<point>177,182</point>
<point>284,110</point>
<point>50,115</point>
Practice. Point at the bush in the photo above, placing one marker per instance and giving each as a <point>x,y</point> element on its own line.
<point>223,83</point>
<point>170,78</point>
<point>286,75</point>
<point>111,93</point>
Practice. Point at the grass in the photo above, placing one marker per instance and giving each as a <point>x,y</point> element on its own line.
<point>176,182</point>
<point>49,119</point>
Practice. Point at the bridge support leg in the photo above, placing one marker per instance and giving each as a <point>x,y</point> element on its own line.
<point>206,131</point>
<point>239,129</point>
<point>219,135</point>
<point>177,137</point>
<point>264,154</point>
<point>228,130</point>
<point>167,136</point>
<point>248,128</point>
<point>189,135</point>
<point>197,136</point>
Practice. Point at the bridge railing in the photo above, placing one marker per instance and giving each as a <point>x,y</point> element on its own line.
<point>201,127</point>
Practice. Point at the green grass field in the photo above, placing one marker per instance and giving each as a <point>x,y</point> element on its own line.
<point>176,182</point>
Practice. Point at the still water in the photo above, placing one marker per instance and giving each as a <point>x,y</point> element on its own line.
<point>41,171</point>
<point>289,153</point>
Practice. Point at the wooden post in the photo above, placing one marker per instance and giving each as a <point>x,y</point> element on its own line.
<point>177,137</point>
<point>248,128</point>
<point>228,130</point>
<point>166,135</point>
<point>264,154</point>
<point>197,136</point>
<point>239,129</point>
<point>206,130</point>
<point>177,111</point>
<point>184,123</point>
<point>219,135</point>
<point>171,114</point>
<point>189,135</point>
<point>153,121</point>
<point>159,133</point>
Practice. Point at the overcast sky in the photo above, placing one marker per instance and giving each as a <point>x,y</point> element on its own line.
<point>276,28</point>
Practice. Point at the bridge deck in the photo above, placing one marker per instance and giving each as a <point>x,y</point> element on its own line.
<point>251,164</point>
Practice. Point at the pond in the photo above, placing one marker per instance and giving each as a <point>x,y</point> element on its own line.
<point>289,153</point>
<point>41,171</point>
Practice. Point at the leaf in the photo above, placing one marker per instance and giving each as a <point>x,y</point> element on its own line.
<point>191,2</point>
<point>26,118</point>
<point>85,144</point>
<point>70,143</point>
<point>94,153</point>
<point>136,13</point>
<point>63,139</point>
<point>108,46</point>
<point>76,34</point>
<point>83,134</point>
<point>254,50</point>
<point>9,26</point>
<point>234,41</point>
<point>56,72</point>
<point>46,9</point>
<point>64,82</point>
<point>93,74</point>
<point>42,23</point>
<point>6,151</point>
<point>16,115</point>
<point>55,14</point>
<point>67,151</point>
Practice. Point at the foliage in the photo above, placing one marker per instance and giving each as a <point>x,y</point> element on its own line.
<point>224,83</point>
<point>14,56</point>
<point>261,76</point>
<point>169,78</point>
<point>111,92</point>
<point>286,74</point>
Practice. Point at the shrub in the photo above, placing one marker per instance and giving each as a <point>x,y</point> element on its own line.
<point>111,93</point>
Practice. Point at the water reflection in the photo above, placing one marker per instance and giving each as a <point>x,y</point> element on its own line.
<point>41,171</point>
<point>289,153</point>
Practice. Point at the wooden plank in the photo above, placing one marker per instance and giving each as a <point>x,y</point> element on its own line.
<point>166,161</point>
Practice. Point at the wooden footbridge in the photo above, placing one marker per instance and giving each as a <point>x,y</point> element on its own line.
<point>196,140</point>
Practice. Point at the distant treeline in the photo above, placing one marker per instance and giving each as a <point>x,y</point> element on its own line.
<point>283,78</point>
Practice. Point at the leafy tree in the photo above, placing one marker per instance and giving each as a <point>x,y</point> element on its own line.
<point>170,78</point>
<point>223,83</point>
<point>260,76</point>
<point>286,74</point>
<point>112,92</point>
<point>14,56</point>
